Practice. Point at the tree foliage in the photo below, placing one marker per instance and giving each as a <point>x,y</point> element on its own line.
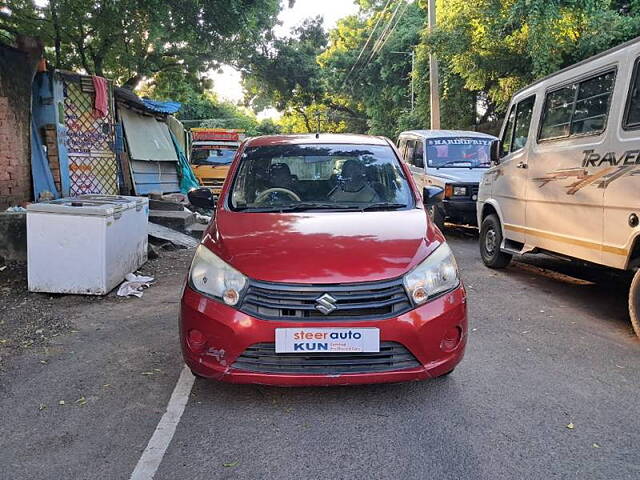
<point>497,47</point>
<point>128,40</point>
<point>201,104</point>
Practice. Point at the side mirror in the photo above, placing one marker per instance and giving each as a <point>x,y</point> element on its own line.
<point>432,195</point>
<point>202,198</point>
<point>496,147</point>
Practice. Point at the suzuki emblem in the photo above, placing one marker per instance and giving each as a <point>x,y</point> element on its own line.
<point>326,304</point>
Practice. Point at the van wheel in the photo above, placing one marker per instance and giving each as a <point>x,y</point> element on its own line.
<point>437,215</point>
<point>634,303</point>
<point>490,241</point>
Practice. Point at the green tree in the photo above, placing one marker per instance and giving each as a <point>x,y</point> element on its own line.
<point>286,75</point>
<point>368,63</point>
<point>129,40</point>
<point>497,48</point>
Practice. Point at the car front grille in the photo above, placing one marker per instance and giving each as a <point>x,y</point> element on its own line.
<point>262,358</point>
<point>474,190</point>
<point>298,302</point>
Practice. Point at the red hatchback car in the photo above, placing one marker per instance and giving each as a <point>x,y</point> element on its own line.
<point>320,267</point>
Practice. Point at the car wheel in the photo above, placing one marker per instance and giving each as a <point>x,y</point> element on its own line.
<point>634,303</point>
<point>437,216</point>
<point>490,242</point>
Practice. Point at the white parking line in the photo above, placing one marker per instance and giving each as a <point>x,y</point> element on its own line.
<point>157,446</point>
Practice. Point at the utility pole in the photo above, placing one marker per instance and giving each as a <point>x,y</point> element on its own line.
<point>413,72</point>
<point>434,81</point>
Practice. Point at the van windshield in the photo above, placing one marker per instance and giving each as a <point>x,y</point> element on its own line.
<point>458,152</point>
<point>216,156</point>
<point>328,177</point>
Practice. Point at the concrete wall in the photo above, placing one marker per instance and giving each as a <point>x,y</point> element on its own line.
<point>16,74</point>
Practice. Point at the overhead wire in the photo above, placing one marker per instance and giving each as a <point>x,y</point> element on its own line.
<point>364,47</point>
<point>384,37</point>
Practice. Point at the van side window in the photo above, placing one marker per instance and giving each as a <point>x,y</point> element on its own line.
<point>418,154</point>
<point>632,115</point>
<point>408,154</point>
<point>505,143</point>
<point>523,122</point>
<point>401,144</point>
<point>578,109</point>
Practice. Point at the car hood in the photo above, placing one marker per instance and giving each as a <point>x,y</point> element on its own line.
<point>322,247</point>
<point>458,175</point>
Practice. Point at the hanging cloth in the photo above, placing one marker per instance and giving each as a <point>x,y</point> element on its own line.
<point>101,103</point>
<point>188,180</point>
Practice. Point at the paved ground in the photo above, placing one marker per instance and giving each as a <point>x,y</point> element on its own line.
<point>546,351</point>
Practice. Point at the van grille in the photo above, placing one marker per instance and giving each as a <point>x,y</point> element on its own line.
<point>262,358</point>
<point>296,302</point>
<point>213,182</point>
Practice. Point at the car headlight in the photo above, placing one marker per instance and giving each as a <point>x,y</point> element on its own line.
<point>437,274</point>
<point>211,276</point>
<point>459,191</point>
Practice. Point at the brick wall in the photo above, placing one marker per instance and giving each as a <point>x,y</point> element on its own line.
<point>16,74</point>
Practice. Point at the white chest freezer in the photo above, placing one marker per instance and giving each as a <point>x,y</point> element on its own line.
<point>87,244</point>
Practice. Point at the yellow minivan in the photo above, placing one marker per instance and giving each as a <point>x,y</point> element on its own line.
<point>212,152</point>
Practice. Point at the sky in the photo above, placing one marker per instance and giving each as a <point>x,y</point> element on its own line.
<point>227,83</point>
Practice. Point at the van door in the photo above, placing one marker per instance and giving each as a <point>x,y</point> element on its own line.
<point>621,201</point>
<point>509,179</point>
<point>565,195</point>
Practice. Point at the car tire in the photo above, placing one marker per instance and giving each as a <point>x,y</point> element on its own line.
<point>437,216</point>
<point>634,303</point>
<point>490,241</point>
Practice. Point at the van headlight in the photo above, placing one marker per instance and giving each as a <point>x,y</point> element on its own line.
<point>437,274</point>
<point>211,276</point>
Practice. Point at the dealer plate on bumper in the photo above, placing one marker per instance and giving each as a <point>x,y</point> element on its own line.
<point>331,340</point>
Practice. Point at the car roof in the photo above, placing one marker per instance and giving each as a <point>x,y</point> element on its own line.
<point>446,133</point>
<point>313,139</point>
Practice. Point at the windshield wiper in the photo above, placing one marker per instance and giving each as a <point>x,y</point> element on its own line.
<point>296,207</point>
<point>383,206</point>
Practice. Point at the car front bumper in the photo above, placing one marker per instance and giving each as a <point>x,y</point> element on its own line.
<point>460,210</point>
<point>229,333</point>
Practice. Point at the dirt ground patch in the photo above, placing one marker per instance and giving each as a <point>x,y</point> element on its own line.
<point>31,320</point>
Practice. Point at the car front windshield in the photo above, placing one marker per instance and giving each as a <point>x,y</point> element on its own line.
<point>458,152</point>
<point>331,177</point>
<point>216,156</point>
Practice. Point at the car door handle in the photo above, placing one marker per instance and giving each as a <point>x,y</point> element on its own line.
<point>522,165</point>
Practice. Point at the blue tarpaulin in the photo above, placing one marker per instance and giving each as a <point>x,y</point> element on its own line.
<point>162,107</point>
<point>188,180</point>
<point>40,171</point>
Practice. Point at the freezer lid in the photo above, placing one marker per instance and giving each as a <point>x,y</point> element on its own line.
<point>119,199</point>
<point>75,206</point>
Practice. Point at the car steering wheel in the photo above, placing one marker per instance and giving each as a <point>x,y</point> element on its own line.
<point>263,195</point>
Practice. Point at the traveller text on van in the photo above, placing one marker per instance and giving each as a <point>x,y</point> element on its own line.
<point>567,178</point>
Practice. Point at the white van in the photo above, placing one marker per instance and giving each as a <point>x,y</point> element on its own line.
<point>566,177</point>
<point>453,160</point>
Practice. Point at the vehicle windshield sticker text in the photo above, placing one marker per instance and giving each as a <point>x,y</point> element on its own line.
<point>458,141</point>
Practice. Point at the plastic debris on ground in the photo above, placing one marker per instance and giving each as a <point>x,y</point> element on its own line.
<point>16,209</point>
<point>134,285</point>
<point>203,219</point>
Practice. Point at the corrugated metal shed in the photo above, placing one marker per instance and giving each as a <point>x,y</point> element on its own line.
<point>152,157</point>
